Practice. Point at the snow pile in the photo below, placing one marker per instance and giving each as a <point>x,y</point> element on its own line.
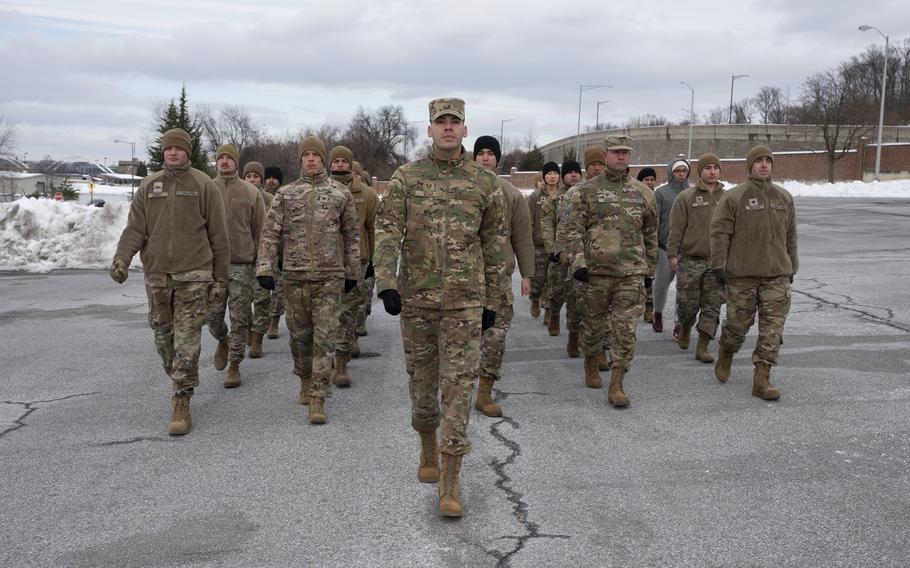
<point>874,189</point>
<point>39,235</point>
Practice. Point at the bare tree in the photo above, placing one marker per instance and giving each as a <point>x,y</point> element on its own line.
<point>717,115</point>
<point>644,120</point>
<point>379,139</point>
<point>7,136</point>
<point>770,105</point>
<point>232,125</point>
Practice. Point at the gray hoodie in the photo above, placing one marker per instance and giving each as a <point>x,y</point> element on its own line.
<point>666,195</point>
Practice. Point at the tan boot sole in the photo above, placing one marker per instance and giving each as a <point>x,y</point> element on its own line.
<point>428,475</point>
<point>449,507</point>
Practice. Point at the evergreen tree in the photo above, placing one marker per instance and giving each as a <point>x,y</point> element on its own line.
<point>531,161</point>
<point>178,115</point>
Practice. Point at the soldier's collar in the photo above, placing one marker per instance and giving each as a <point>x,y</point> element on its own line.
<point>177,170</point>
<point>610,175</point>
<point>318,177</point>
<point>457,161</point>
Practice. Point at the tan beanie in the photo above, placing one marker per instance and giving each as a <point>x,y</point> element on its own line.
<point>230,150</point>
<point>255,167</point>
<point>342,152</point>
<point>312,144</point>
<point>177,137</point>
<point>595,154</point>
<point>706,159</point>
<point>755,153</point>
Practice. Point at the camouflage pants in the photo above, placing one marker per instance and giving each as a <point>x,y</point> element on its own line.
<point>556,283</point>
<point>770,298</point>
<point>539,280</point>
<point>177,313</point>
<point>277,308</point>
<point>493,343</point>
<point>649,294</point>
<point>312,322</point>
<point>698,294</point>
<point>262,309</point>
<point>349,308</point>
<point>239,300</point>
<point>575,304</point>
<point>365,289</point>
<point>442,354</point>
<point>614,303</point>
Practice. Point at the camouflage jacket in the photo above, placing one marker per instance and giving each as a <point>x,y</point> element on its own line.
<point>306,218</point>
<point>535,206</point>
<point>753,231</point>
<point>562,220</point>
<point>612,226</point>
<point>549,219</point>
<point>245,210</point>
<point>690,221</point>
<point>444,218</point>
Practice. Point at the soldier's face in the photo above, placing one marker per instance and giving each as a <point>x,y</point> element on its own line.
<point>226,165</point>
<point>486,158</point>
<point>358,176</point>
<point>761,168</point>
<point>552,178</point>
<point>447,132</point>
<point>253,178</point>
<point>539,184</point>
<point>272,183</point>
<point>680,174</point>
<point>710,174</point>
<point>594,169</point>
<point>340,165</point>
<point>571,178</point>
<point>175,157</point>
<point>311,162</point>
<point>617,160</point>
<point>649,181</point>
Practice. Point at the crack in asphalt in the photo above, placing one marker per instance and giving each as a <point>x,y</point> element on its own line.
<point>30,407</point>
<point>850,305</point>
<point>515,497</point>
<point>130,441</point>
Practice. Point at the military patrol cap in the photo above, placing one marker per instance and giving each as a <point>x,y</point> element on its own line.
<point>177,137</point>
<point>618,142</point>
<point>229,150</point>
<point>760,151</point>
<point>440,107</point>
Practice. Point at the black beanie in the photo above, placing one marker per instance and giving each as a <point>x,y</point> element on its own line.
<point>488,143</point>
<point>274,172</point>
<point>570,166</point>
<point>645,172</point>
<point>550,167</point>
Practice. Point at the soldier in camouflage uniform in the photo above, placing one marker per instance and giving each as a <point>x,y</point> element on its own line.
<point>369,282</point>
<point>253,173</point>
<point>753,253</point>
<point>557,271</point>
<point>536,200</point>
<point>340,161</point>
<point>183,273</point>
<point>613,233</point>
<point>245,213</point>
<point>689,251</point>
<point>443,217</point>
<point>274,179</point>
<point>314,221</point>
<point>517,219</point>
<point>571,175</point>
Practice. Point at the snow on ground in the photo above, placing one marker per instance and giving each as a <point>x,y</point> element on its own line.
<point>39,235</point>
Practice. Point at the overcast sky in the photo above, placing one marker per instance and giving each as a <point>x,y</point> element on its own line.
<point>78,75</point>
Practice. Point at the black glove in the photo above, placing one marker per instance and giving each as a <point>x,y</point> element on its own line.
<point>349,285</point>
<point>267,282</point>
<point>554,258</point>
<point>369,272</point>
<point>582,275</point>
<point>391,301</point>
<point>720,276</point>
<point>648,281</point>
<point>791,279</point>
<point>487,319</point>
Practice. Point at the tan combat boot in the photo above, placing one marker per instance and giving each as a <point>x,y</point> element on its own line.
<point>553,324</point>
<point>306,383</point>
<point>342,377</point>
<point>272,332</point>
<point>428,470</point>
<point>603,363</point>
<point>761,383</point>
<point>232,380</point>
<point>649,313</point>
<point>221,354</point>
<point>592,376</point>
<point>317,410</point>
<point>701,349</point>
<point>484,401</point>
<point>572,345</point>
<point>255,345</point>
<point>684,336</point>
<point>535,308</point>
<point>723,364</point>
<point>180,423</point>
<point>615,395</point>
<point>449,490</point>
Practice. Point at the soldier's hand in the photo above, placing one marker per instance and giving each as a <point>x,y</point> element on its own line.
<point>674,263</point>
<point>791,279</point>
<point>266,282</point>
<point>525,285</point>
<point>582,275</point>
<point>563,258</point>
<point>349,285</point>
<point>391,301</point>
<point>369,272</point>
<point>119,271</point>
<point>720,276</point>
<point>648,281</point>
<point>487,319</point>
<point>217,293</point>
<point>554,258</point>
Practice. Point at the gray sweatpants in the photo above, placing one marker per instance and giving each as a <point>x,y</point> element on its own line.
<point>662,279</point>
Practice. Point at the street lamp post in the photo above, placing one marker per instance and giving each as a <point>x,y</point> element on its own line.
<point>582,88</point>
<point>733,79</point>
<point>597,114</point>
<point>881,112</point>
<point>502,123</point>
<point>691,116</point>
<point>132,144</point>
